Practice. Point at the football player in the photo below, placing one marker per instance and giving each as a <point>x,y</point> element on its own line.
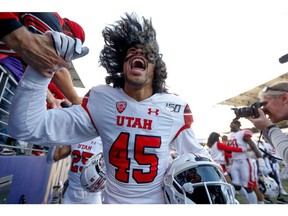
<point>134,114</point>
<point>244,178</point>
<point>80,154</point>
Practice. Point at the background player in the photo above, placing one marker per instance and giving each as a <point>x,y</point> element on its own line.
<point>80,153</point>
<point>244,178</point>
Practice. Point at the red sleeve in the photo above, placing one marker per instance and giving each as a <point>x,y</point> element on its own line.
<point>84,105</point>
<point>9,15</point>
<point>41,22</point>
<point>188,119</point>
<point>227,156</point>
<point>224,147</point>
<point>55,91</point>
<point>247,133</point>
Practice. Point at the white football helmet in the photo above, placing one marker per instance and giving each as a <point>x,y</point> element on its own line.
<point>93,176</point>
<point>268,186</point>
<point>194,179</point>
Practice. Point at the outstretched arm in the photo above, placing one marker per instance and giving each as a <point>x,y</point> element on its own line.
<point>45,53</point>
<point>224,147</point>
<point>56,153</point>
<point>30,121</point>
<point>63,81</point>
<point>36,50</point>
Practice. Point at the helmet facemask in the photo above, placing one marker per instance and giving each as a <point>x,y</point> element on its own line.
<point>192,181</point>
<point>93,175</point>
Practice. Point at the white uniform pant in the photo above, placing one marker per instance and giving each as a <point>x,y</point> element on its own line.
<point>244,173</point>
<point>81,197</point>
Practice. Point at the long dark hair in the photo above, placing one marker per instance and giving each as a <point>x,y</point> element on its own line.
<point>121,36</point>
<point>213,137</point>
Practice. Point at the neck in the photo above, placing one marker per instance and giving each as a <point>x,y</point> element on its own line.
<point>138,94</point>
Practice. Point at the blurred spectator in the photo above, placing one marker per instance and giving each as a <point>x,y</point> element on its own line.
<point>37,23</point>
<point>36,50</point>
<point>56,98</point>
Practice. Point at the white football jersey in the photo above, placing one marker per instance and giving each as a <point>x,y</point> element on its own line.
<point>216,154</point>
<point>80,153</point>
<point>236,139</point>
<point>136,137</point>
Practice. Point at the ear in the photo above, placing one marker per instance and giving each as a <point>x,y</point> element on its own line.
<point>285,97</point>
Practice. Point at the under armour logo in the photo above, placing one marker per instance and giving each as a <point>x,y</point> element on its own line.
<point>150,111</point>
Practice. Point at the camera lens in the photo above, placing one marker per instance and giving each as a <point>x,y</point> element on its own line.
<point>248,111</point>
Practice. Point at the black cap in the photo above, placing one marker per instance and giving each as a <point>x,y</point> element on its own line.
<point>283,59</point>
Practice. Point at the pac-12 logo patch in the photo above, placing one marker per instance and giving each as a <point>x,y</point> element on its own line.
<point>121,106</point>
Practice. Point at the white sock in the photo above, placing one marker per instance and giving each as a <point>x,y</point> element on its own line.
<point>252,198</point>
<point>243,193</point>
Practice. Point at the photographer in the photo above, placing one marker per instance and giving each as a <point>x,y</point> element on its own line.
<point>274,101</point>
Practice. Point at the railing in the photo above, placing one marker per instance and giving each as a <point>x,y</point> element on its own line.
<point>6,95</point>
<point>24,150</point>
<point>6,78</point>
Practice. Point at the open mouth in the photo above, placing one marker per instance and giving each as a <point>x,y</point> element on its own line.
<point>138,64</point>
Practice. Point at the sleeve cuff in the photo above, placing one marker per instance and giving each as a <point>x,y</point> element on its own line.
<point>35,77</point>
<point>270,127</point>
<point>9,25</point>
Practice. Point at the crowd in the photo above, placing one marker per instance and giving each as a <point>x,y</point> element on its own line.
<point>59,91</point>
<point>138,122</point>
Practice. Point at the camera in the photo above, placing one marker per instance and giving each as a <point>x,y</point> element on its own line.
<point>248,111</point>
